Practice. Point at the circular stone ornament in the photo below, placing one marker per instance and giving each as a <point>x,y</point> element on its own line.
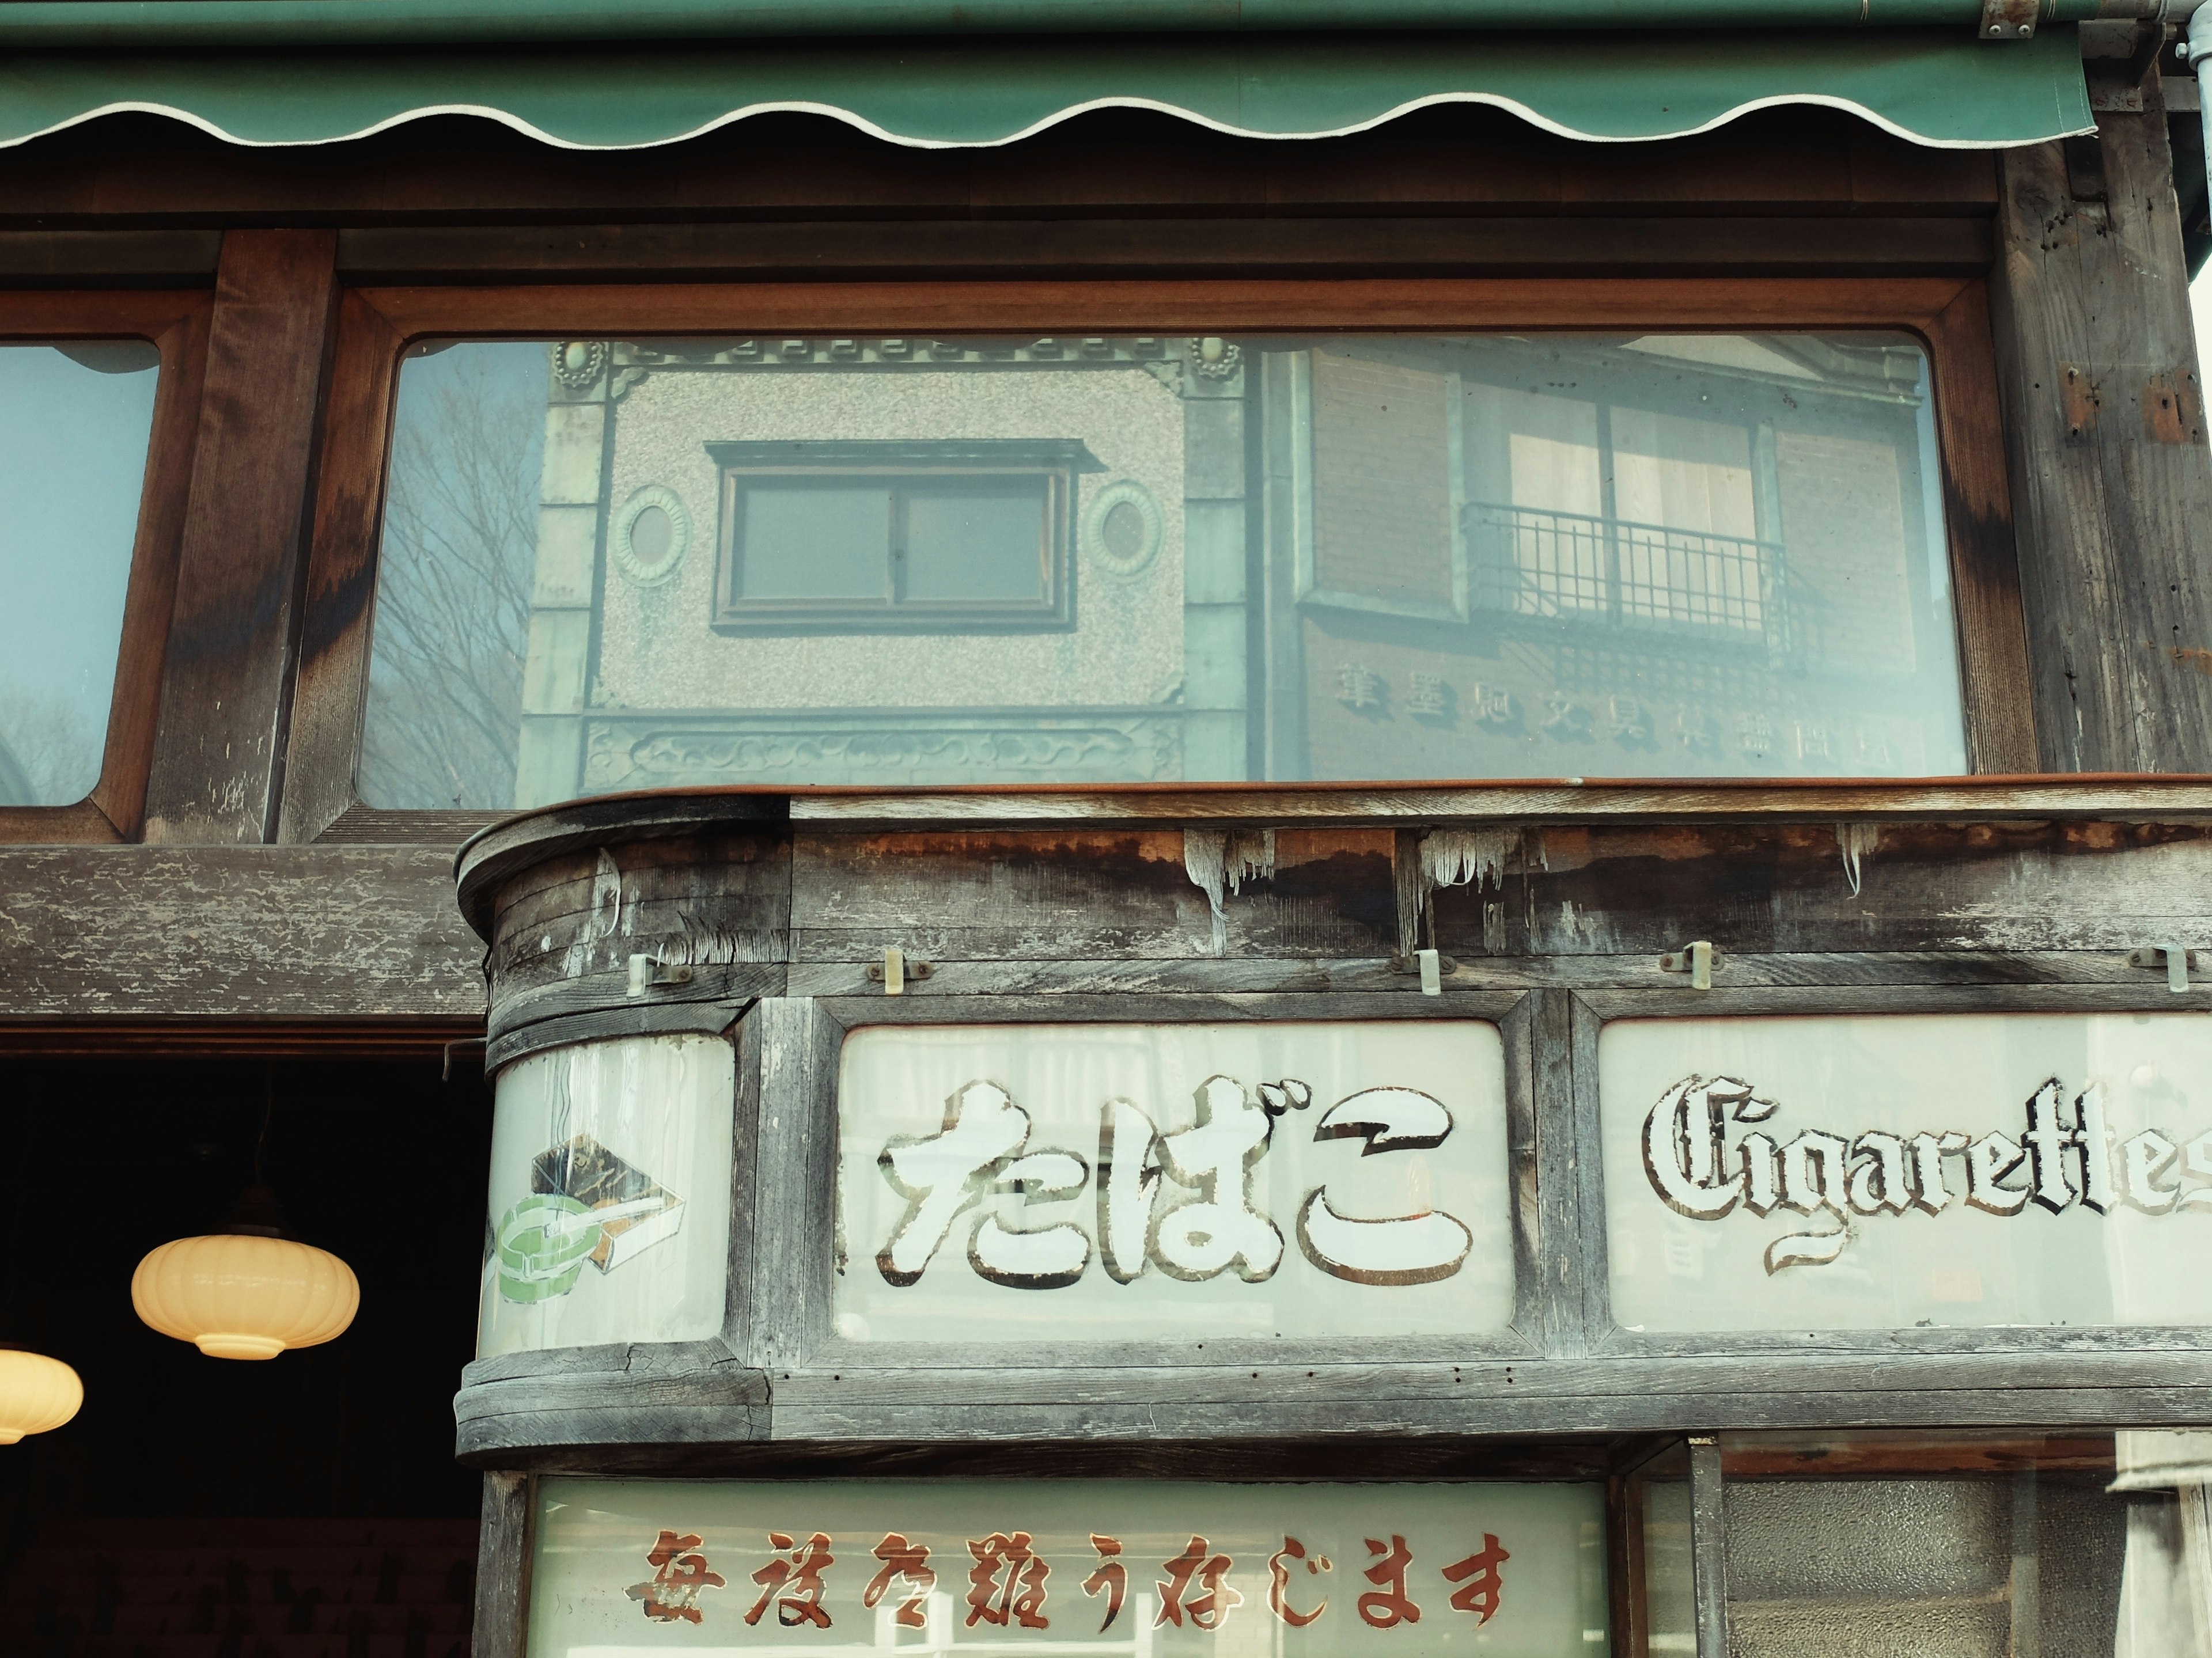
<point>651,530</point>
<point>578,364</point>
<point>1121,528</point>
<point>1213,357</point>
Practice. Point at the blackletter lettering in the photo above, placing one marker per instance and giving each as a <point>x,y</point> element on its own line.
<point>1989,1160</point>
<point>2145,1157</point>
<point>2049,1138</point>
<point>2096,1139</point>
<point>1929,1150</point>
<point>1879,1180</point>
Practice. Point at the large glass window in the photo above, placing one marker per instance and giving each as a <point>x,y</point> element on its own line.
<point>618,565</point>
<point>74,422</point>
<point>1991,1544</point>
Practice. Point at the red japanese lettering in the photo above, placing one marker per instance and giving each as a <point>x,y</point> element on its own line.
<point>1020,1597</point>
<point>1279,1581</point>
<point>1388,1604</point>
<point>679,1574</point>
<point>910,1561</point>
<point>795,1584</point>
<point>1482,1585</point>
<point>1110,1576</point>
<point>1206,1610</point>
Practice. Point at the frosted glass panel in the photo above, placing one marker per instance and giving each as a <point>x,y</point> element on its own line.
<point>1165,1182</point>
<point>610,1213</point>
<point>1149,1569</point>
<point>626,564</point>
<point>74,422</point>
<point>1987,1545</point>
<point>1903,1171</point>
<point>1947,1567</point>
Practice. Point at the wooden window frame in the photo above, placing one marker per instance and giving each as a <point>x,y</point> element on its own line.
<point>1948,315</point>
<point>175,322</point>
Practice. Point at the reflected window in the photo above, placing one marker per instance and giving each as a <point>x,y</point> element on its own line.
<point>75,419</point>
<point>616,565</point>
<point>906,535</point>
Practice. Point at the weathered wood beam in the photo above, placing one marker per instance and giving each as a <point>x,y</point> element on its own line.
<point>1461,246</point>
<point>101,257</point>
<point>234,935</point>
<point>661,1409</point>
<point>218,754</point>
<point>2111,478</point>
<point>232,942</point>
<point>1546,800</point>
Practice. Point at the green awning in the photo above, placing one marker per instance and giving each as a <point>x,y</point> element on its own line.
<point>124,25</point>
<point>1937,87</point>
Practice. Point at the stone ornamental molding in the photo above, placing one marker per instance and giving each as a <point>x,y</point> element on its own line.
<point>1099,551</point>
<point>578,364</point>
<point>649,753</point>
<point>896,351</point>
<point>641,571</point>
<point>1215,358</point>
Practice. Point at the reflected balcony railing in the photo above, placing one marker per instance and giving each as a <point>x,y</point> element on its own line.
<point>1621,575</point>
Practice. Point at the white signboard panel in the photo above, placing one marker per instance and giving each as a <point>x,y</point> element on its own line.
<point>1902,1171</point>
<point>610,1217</point>
<point>1107,1568</point>
<point>1176,1181</point>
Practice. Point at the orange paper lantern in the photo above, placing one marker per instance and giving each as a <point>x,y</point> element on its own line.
<point>238,1295</point>
<point>36,1394</point>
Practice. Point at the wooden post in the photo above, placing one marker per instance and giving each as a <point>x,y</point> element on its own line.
<point>1709,1545</point>
<point>231,637</point>
<point>2112,479</point>
<point>503,1559</point>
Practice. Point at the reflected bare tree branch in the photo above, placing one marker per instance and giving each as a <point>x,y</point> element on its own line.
<point>452,605</point>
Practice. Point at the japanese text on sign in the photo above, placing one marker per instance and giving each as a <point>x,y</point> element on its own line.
<point>1149,1174</point>
<point>984,1148</point>
<point>1152,1569</point>
<point>1008,1583</point>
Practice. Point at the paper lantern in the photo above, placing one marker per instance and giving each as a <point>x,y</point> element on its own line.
<point>244,1294</point>
<point>36,1394</point>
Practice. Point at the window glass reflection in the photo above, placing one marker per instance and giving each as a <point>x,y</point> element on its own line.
<point>74,422</point>
<point>618,565</point>
<point>1985,1546</point>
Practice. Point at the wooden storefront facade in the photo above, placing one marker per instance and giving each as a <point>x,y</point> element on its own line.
<point>230,887</point>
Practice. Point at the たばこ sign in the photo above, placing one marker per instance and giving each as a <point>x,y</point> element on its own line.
<point>1122,1182</point>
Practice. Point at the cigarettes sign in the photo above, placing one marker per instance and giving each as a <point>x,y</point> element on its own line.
<point>1897,1171</point>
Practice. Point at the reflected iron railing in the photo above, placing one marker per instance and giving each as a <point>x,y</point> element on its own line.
<point>1616,574</point>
